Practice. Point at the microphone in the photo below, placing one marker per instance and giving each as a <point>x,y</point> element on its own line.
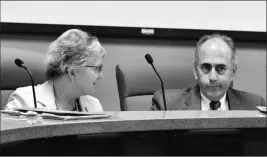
<point>21,64</point>
<point>150,61</point>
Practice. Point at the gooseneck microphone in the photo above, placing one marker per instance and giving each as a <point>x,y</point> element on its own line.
<point>20,64</point>
<point>150,61</point>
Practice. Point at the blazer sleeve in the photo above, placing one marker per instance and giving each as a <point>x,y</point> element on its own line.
<point>19,98</point>
<point>14,101</point>
<point>174,99</point>
<point>157,101</point>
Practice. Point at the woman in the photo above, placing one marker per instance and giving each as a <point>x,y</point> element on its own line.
<point>74,65</point>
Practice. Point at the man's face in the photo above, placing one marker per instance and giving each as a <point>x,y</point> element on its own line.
<point>214,71</point>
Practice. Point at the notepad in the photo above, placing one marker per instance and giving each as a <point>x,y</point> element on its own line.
<point>56,114</point>
<point>59,112</point>
<point>18,113</point>
<point>60,117</point>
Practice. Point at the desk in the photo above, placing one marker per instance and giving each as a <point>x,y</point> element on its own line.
<point>152,126</point>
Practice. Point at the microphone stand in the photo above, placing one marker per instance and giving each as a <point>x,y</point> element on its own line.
<point>34,97</point>
<point>162,87</point>
<point>20,64</point>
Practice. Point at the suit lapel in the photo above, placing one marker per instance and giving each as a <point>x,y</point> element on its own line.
<point>233,101</point>
<point>192,102</point>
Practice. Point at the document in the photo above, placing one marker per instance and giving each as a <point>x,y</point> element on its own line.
<point>56,114</point>
<point>60,117</point>
<point>262,108</point>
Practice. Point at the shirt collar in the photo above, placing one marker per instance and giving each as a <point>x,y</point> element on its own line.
<point>206,102</point>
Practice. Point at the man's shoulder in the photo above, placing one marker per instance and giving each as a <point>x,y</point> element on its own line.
<point>173,98</point>
<point>176,92</point>
<point>173,95</point>
<point>244,94</point>
<point>247,96</point>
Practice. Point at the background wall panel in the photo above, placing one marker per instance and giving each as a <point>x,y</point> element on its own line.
<point>251,74</point>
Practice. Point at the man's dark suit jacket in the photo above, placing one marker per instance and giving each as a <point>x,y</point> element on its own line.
<point>189,99</point>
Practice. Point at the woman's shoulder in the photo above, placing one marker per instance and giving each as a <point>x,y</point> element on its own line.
<point>28,89</point>
<point>22,96</point>
<point>23,91</point>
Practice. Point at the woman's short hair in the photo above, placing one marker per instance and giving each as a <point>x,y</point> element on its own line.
<point>72,49</point>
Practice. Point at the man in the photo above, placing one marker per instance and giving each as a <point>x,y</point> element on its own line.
<point>215,67</point>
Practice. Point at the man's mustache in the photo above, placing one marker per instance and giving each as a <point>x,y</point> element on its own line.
<point>214,85</point>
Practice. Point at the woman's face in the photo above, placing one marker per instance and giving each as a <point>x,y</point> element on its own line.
<point>88,76</point>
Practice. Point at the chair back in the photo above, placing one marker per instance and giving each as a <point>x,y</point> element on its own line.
<point>138,82</point>
<point>13,77</point>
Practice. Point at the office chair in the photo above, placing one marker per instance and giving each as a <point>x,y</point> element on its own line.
<point>13,77</point>
<point>138,82</point>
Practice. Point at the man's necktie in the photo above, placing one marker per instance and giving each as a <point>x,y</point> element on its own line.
<point>214,105</point>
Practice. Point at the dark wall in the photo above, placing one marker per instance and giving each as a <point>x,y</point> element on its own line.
<point>251,74</point>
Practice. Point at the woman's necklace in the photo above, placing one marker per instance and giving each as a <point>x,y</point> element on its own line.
<point>57,107</point>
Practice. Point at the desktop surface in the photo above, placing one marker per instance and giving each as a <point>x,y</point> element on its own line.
<point>15,128</point>
<point>138,133</point>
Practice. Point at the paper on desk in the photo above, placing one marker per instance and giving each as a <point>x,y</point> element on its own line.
<point>262,108</point>
<point>58,112</point>
<point>72,116</point>
<point>18,113</point>
<point>60,117</point>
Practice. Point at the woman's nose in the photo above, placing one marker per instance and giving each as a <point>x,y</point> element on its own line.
<point>100,75</point>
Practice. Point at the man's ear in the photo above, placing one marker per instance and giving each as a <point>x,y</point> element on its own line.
<point>234,70</point>
<point>195,73</point>
<point>233,76</point>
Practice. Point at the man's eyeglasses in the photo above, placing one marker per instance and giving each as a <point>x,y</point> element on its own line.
<point>220,68</point>
<point>97,69</point>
